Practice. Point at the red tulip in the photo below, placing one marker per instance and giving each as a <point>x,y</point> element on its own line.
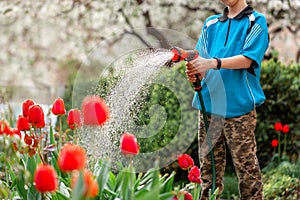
<point>35,115</point>
<point>35,142</point>
<point>25,106</point>
<point>129,145</point>
<point>175,198</point>
<point>28,139</point>
<point>274,143</point>
<point>22,123</point>
<point>187,196</point>
<point>185,161</point>
<point>41,124</point>
<point>94,110</point>
<point>4,128</point>
<point>278,126</point>
<point>91,188</point>
<point>71,157</point>
<point>285,129</point>
<point>31,151</point>
<point>58,107</point>
<point>74,119</point>
<point>194,175</point>
<point>45,178</point>
<point>16,131</point>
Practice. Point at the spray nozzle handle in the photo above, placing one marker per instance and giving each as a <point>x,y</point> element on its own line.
<point>197,84</point>
<point>181,54</point>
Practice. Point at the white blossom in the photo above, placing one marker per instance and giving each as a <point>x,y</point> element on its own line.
<point>275,4</point>
<point>41,33</point>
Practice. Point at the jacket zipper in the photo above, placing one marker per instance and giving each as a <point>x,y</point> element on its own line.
<point>227,34</point>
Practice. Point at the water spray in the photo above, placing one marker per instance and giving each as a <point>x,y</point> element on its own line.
<point>189,55</point>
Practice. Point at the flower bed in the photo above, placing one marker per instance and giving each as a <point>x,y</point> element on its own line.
<point>42,164</point>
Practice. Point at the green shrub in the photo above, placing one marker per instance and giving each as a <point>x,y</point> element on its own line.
<point>282,182</point>
<point>175,125</point>
<point>231,187</point>
<point>159,94</point>
<point>281,85</point>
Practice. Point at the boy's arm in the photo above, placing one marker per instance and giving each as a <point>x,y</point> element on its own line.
<point>236,62</point>
<point>201,65</point>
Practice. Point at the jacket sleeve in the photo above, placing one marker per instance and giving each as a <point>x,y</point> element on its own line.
<point>256,42</point>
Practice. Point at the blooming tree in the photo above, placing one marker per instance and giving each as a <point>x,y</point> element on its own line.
<point>38,34</point>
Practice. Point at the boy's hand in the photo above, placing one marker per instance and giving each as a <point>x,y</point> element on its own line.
<point>199,66</point>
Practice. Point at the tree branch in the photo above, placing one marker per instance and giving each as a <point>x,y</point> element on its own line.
<point>295,30</point>
<point>139,37</point>
<point>151,30</point>
<point>133,32</point>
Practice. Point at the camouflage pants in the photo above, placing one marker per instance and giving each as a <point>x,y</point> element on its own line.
<point>238,133</point>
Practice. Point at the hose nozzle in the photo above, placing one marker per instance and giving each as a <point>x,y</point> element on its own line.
<point>181,54</point>
<point>187,55</point>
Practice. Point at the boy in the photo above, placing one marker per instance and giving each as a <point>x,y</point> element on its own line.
<point>232,46</point>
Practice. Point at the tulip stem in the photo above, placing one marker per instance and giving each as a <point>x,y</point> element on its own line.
<point>45,153</point>
<point>195,191</point>
<point>198,190</point>
<point>131,174</point>
<point>279,150</point>
<point>34,133</point>
<point>60,132</point>
<point>43,196</point>
<point>75,136</point>
<point>41,156</point>
<point>40,144</point>
<point>284,147</point>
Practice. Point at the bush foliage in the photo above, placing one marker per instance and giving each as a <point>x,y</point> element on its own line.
<point>282,182</point>
<point>281,85</point>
